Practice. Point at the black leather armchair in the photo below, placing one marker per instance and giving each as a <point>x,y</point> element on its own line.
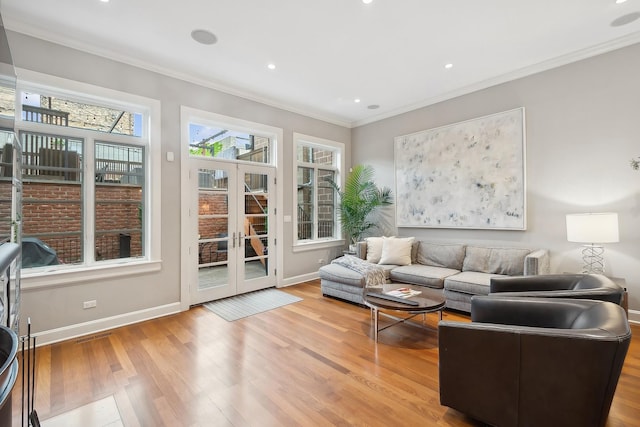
<point>585,286</point>
<point>534,361</point>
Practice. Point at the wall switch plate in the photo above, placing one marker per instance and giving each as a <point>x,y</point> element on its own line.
<point>89,304</point>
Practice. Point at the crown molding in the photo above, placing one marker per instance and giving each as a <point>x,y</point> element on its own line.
<point>559,61</point>
<point>32,31</point>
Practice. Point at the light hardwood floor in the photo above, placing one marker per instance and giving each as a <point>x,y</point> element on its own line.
<point>311,363</point>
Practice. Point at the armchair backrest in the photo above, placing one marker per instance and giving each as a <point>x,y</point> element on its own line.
<point>586,286</point>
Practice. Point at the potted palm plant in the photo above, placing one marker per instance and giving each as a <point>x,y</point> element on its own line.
<point>359,198</point>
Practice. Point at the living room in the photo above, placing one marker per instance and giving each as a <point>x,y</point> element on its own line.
<point>581,134</point>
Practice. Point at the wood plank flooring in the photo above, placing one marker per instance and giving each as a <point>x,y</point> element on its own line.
<point>312,363</point>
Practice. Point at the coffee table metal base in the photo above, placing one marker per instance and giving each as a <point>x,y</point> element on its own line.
<point>375,315</point>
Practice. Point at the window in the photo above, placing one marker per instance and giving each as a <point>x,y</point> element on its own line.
<point>119,201</point>
<point>62,111</point>
<point>223,143</point>
<point>85,162</point>
<point>318,162</point>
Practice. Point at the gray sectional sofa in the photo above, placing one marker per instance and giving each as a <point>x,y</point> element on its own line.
<point>460,270</point>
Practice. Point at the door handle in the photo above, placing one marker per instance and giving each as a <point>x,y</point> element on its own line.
<point>239,239</point>
<point>233,239</point>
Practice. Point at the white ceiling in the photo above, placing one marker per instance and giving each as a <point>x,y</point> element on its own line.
<point>329,52</point>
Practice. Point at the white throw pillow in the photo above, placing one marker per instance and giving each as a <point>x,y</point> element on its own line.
<point>374,249</point>
<point>396,250</point>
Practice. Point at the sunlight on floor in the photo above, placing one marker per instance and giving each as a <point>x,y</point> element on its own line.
<point>101,413</point>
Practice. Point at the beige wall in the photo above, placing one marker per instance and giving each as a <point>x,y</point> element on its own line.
<point>61,306</point>
<point>582,128</point>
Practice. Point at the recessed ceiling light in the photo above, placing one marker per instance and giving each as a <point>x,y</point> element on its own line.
<point>617,1</point>
<point>104,1</point>
<point>271,66</point>
<point>204,36</point>
<point>366,1</point>
<point>356,100</point>
<point>448,66</point>
<point>373,107</point>
<point>625,19</point>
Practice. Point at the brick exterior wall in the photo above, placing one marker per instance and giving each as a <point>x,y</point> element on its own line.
<point>5,209</point>
<point>55,207</point>
<point>210,228</point>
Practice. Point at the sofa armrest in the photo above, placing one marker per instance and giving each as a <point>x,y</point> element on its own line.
<point>537,262</point>
<point>361,249</point>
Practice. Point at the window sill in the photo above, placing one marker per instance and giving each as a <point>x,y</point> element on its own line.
<point>317,244</point>
<point>55,276</point>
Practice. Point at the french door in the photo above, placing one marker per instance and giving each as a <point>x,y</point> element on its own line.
<point>233,228</point>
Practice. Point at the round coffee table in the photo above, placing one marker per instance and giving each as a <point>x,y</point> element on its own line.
<point>428,301</point>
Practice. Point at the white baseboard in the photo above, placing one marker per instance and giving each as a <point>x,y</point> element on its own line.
<point>95,326</point>
<point>299,279</point>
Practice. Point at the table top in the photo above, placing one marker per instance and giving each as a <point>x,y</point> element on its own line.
<point>428,300</point>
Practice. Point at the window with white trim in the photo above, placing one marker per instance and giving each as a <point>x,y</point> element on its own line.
<point>86,161</point>
<point>317,162</point>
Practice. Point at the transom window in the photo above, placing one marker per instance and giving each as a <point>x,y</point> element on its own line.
<point>318,161</point>
<point>62,111</point>
<point>222,143</point>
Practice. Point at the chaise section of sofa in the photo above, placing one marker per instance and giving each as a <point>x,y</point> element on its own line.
<point>462,271</point>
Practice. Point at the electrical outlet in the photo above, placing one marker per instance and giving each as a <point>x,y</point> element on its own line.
<point>321,261</point>
<point>89,304</point>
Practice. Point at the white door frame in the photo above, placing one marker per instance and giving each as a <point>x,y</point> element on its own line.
<point>188,115</point>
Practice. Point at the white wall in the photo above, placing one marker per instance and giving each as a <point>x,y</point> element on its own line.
<point>60,308</point>
<point>582,128</point>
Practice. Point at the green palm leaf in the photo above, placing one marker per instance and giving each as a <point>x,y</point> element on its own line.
<point>358,199</point>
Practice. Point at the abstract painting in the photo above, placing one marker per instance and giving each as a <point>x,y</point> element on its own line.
<point>464,175</point>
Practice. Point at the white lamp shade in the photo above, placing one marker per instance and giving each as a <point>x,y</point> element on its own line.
<point>593,228</point>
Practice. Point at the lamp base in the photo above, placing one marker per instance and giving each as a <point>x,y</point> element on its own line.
<point>592,258</point>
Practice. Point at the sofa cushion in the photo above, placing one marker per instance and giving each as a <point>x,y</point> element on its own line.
<point>441,255</point>
<point>469,282</point>
<point>374,249</point>
<point>341,274</point>
<point>396,250</point>
<point>509,261</point>
<point>423,275</point>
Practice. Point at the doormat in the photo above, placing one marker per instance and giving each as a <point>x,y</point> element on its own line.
<point>240,306</point>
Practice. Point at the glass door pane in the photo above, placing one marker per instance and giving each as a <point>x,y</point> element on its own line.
<point>256,208</point>
<point>256,233</point>
<point>213,227</point>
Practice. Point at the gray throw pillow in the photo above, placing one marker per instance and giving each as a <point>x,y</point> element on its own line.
<point>509,261</point>
<point>441,255</point>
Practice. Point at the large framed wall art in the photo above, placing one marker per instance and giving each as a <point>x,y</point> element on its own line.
<point>464,175</point>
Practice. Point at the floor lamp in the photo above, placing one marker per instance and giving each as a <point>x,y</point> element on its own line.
<point>593,229</point>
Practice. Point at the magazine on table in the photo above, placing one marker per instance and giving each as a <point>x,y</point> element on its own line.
<point>403,292</point>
